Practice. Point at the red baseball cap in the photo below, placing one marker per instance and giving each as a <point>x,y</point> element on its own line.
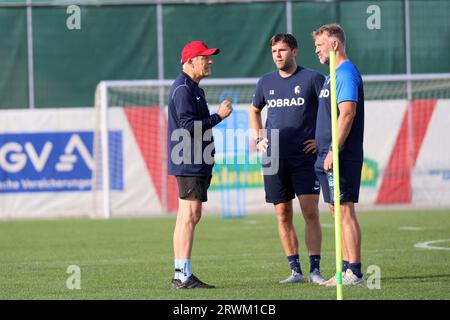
<point>196,48</point>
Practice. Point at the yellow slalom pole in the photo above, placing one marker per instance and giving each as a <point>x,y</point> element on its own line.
<point>336,186</point>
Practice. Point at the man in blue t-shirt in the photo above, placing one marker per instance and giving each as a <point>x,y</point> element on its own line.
<point>291,95</point>
<point>190,156</point>
<point>350,100</point>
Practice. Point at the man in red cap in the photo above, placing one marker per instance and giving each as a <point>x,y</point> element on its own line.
<point>191,153</point>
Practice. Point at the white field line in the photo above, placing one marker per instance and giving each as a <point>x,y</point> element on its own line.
<point>426,245</point>
<point>410,228</point>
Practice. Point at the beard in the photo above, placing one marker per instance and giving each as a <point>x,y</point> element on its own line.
<point>286,67</point>
<point>325,60</point>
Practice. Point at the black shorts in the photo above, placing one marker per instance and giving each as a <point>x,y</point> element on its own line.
<point>349,182</point>
<point>295,176</point>
<point>193,185</point>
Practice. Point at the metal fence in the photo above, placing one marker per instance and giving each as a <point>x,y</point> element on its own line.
<point>53,53</point>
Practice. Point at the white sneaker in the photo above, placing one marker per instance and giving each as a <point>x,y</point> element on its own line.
<point>316,277</point>
<point>330,282</point>
<point>293,278</point>
<point>350,279</point>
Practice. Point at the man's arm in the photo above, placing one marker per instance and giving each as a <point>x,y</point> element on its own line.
<point>256,126</point>
<point>347,112</point>
<point>225,109</point>
<point>255,121</point>
<point>187,111</point>
<point>316,84</point>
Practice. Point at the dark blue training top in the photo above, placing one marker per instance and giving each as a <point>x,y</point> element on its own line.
<point>292,103</point>
<point>349,87</point>
<point>186,154</point>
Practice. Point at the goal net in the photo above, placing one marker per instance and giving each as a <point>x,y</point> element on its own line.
<point>407,159</point>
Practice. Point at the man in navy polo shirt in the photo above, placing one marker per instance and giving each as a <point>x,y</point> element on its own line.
<point>350,100</point>
<point>291,95</point>
<point>191,153</point>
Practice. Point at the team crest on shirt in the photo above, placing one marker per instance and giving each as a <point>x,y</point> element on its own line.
<point>297,90</point>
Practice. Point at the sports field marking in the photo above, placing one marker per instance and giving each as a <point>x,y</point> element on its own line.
<point>251,222</point>
<point>426,245</point>
<point>409,228</point>
<point>327,225</point>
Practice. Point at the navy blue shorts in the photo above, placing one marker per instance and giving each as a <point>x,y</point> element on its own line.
<point>295,176</point>
<point>349,182</point>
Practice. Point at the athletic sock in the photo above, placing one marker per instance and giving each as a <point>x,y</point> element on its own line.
<point>177,269</point>
<point>314,263</point>
<point>294,263</point>
<point>185,269</point>
<point>356,269</point>
<point>344,265</point>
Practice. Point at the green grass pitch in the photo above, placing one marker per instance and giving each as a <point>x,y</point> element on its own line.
<point>132,258</point>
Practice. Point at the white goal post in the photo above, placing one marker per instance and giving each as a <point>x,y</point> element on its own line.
<point>136,111</point>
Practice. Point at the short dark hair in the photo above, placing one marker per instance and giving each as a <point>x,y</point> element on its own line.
<point>333,30</point>
<point>287,38</point>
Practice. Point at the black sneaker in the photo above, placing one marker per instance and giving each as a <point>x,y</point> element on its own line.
<point>193,282</point>
<point>176,283</point>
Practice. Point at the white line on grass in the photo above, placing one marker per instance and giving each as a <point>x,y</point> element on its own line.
<point>426,245</point>
<point>410,228</point>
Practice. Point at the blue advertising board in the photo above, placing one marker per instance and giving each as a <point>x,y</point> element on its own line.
<point>55,161</point>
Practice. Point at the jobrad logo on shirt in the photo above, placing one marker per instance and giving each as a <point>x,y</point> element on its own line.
<point>294,102</point>
<point>324,93</point>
